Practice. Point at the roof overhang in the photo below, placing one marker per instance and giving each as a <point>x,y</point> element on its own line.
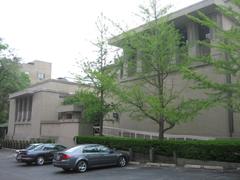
<point>178,17</point>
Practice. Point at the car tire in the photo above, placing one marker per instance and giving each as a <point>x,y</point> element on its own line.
<point>40,161</point>
<point>122,161</point>
<point>81,166</point>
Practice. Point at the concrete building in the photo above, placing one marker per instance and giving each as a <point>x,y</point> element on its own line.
<point>37,113</point>
<point>212,123</point>
<point>38,71</point>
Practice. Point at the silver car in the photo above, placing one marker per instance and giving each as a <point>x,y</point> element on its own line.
<point>83,157</point>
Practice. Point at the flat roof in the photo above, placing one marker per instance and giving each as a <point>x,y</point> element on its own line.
<point>206,6</point>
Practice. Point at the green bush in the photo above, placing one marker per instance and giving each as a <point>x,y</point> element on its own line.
<point>215,150</point>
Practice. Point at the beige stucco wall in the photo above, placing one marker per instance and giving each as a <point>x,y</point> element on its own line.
<point>209,123</point>
<point>35,67</point>
<point>47,97</point>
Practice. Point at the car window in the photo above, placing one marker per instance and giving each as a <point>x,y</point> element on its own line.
<point>90,149</point>
<point>48,148</point>
<point>103,149</point>
<point>39,148</point>
<point>60,148</point>
<point>74,149</point>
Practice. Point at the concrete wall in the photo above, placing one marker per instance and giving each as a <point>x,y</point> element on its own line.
<point>209,123</point>
<point>64,132</point>
<point>47,97</point>
<point>36,67</point>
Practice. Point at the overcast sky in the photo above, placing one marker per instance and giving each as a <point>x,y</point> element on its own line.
<point>60,31</point>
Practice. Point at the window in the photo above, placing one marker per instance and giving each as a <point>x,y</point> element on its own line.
<point>60,148</point>
<point>41,76</point>
<point>103,149</point>
<point>131,57</point>
<point>90,149</point>
<point>68,116</point>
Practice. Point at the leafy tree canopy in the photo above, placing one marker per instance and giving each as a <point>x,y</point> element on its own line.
<point>12,79</point>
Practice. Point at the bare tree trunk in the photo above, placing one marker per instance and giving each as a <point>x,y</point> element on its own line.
<point>101,114</point>
<point>161,129</point>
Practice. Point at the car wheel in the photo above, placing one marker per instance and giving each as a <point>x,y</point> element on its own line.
<point>122,161</point>
<point>40,161</point>
<point>81,166</point>
<point>18,157</point>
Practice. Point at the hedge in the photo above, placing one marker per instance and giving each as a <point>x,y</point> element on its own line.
<point>21,144</point>
<point>214,150</point>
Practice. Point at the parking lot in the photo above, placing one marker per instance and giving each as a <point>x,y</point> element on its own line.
<point>11,170</point>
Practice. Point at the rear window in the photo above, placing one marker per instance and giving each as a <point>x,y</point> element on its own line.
<point>74,149</point>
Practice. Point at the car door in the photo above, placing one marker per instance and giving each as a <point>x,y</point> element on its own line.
<point>108,157</point>
<point>92,155</point>
<point>48,152</point>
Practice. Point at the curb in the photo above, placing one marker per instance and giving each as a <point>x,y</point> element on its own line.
<point>213,167</point>
<point>192,166</point>
<point>134,163</point>
<point>149,164</point>
<point>9,149</point>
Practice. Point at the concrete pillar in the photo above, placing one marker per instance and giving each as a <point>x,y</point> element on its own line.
<point>16,109</point>
<point>193,37</point>
<point>27,108</point>
<point>19,109</point>
<point>22,108</point>
<point>12,118</point>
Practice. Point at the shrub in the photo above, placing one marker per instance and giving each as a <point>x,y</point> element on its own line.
<point>215,150</point>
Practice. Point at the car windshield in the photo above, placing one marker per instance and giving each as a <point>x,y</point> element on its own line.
<point>74,149</point>
<point>32,146</point>
<point>40,147</point>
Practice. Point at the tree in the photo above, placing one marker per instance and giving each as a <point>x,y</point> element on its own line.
<point>159,48</point>
<point>11,79</point>
<point>227,43</point>
<point>101,77</point>
<point>91,104</point>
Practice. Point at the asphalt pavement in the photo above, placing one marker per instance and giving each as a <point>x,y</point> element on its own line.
<point>11,170</point>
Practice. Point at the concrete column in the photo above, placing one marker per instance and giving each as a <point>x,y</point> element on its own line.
<point>16,109</point>
<point>19,109</point>
<point>193,37</point>
<point>27,108</point>
<point>22,108</point>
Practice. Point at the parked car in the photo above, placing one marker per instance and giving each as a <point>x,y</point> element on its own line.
<point>19,152</point>
<point>41,154</point>
<point>83,157</point>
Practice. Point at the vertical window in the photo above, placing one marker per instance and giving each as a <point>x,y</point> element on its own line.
<point>131,56</point>
<point>204,35</point>
<point>40,76</point>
